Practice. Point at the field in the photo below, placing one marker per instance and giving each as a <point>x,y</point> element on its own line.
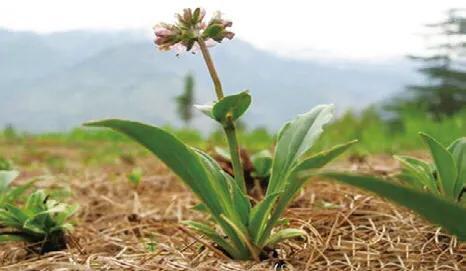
<point>125,225</point>
<point>381,186</point>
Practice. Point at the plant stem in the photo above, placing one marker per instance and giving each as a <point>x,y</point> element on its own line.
<point>212,71</point>
<point>229,126</point>
<point>230,132</point>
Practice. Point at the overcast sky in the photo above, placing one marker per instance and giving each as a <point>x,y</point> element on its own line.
<point>356,29</point>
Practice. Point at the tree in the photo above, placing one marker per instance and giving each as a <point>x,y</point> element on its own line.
<point>185,101</point>
<point>445,68</point>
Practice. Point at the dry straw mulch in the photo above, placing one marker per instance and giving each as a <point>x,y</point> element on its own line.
<point>120,227</point>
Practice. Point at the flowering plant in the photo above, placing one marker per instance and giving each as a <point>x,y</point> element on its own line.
<point>243,229</point>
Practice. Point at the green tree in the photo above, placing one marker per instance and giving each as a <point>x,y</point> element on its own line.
<point>185,101</point>
<point>444,93</point>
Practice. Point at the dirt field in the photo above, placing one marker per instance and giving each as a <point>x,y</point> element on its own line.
<point>121,227</point>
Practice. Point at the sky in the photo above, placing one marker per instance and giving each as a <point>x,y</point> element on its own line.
<point>330,29</point>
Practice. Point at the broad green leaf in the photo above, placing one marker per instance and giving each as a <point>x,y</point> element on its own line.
<point>304,170</point>
<point>205,109</point>
<point>458,151</point>
<point>437,210</point>
<point>233,200</point>
<point>283,235</point>
<point>185,163</point>
<point>445,165</point>
<point>217,181</point>
<point>244,236</point>
<point>262,162</point>
<point>296,180</point>
<point>322,158</point>
<point>37,228</point>
<point>35,203</point>
<point>15,213</point>
<point>10,219</point>
<point>213,235</point>
<point>294,139</point>
<point>181,159</point>
<point>234,203</point>
<point>417,173</point>
<point>6,177</point>
<point>298,177</point>
<point>200,207</point>
<point>240,201</point>
<point>233,105</point>
<point>259,216</point>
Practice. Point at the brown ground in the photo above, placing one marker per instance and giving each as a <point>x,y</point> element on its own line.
<point>120,227</point>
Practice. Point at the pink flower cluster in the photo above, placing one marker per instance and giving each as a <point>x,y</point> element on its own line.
<point>189,28</point>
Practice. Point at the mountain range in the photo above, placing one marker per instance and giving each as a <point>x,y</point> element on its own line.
<point>56,81</point>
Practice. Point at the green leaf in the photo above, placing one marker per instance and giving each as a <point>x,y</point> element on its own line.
<point>283,235</point>
<point>61,217</point>
<point>235,204</point>
<point>213,235</point>
<point>294,139</point>
<point>300,174</point>
<point>6,177</point>
<point>181,159</point>
<point>233,105</point>
<point>10,219</point>
<point>9,237</point>
<point>418,174</point>
<point>458,151</point>
<point>259,216</point>
<point>322,158</point>
<point>200,207</point>
<point>196,169</point>
<point>437,210</point>
<point>296,180</point>
<point>445,165</point>
<point>16,213</point>
<point>205,109</point>
<point>244,236</point>
<point>262,162</point>
<point>240,201</point>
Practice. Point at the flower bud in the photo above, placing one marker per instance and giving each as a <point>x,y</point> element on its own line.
<point>189,28</point>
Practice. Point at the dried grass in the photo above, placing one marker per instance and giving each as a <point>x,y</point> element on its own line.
<point>347,229</point>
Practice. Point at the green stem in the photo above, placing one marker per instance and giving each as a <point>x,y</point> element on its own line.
<point>230,132</point>
<point>212,71</point>
<point>229,126</point>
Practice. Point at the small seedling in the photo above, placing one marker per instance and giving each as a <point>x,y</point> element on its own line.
<point>241,229</point>
<point>41,222</point>
<point>433,190</point>
<point>135,176</point>
<point>445,177</point>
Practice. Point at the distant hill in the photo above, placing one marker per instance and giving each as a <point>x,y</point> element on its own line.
<point>56,81</point>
